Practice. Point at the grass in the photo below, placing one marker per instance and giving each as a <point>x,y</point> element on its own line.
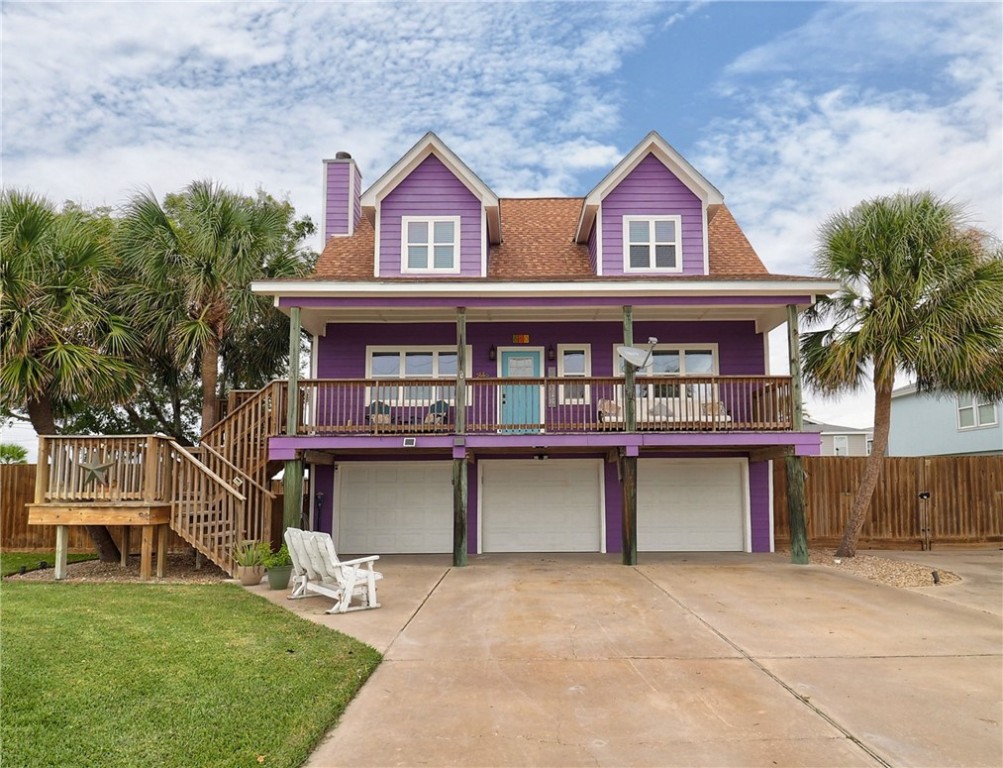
<point>11,562</point>
<point>167,675</point>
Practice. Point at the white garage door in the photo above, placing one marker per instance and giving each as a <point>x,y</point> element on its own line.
<point>394,507</point>
<point>541,506</point>
<point>691,505</point>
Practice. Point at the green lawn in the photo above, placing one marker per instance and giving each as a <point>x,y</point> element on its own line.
<point>11,562</point>
<point>166,675</point>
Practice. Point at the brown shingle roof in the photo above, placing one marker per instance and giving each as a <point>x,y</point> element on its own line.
<point>538,240</point>
<point>538,244</point>
<point>729,251</point>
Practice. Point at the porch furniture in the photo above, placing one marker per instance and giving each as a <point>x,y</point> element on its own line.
<point>379,414</point>
<point>437,413</point>
<point>665,410</point>
<point>318,571</point>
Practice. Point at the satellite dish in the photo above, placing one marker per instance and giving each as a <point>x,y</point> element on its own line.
<point>635,356</point>
<point>638,356</point>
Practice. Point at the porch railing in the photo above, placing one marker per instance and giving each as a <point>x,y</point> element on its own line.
<point>552,405</point>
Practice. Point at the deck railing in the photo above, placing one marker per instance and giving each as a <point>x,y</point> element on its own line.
<point>209,507</point>
<point>552,405</point>
<point>104,470</point>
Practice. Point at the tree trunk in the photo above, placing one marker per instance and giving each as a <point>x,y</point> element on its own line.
<point>210,375</point>
<point>40,415</point>
<point>105,545</point>
<point>862,500</point>
<point>44,423</point>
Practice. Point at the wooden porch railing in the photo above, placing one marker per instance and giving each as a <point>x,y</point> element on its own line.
<point>554,405</point>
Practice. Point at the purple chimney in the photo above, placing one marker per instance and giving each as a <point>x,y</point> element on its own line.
<point>342,190</point>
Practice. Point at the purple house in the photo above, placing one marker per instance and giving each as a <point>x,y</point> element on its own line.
<point>584,374</point>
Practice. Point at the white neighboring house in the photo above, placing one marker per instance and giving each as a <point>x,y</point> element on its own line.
<point>925,424</point>
<point>838,440</point>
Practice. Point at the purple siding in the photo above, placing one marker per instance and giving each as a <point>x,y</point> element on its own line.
<point>431,190</point>
<point>652,189</point>
<point>336,202</point>
<point>342,352</point>
<point>324,483</point>
<point>759,504</point>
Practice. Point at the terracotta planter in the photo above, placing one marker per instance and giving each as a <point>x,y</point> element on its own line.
<point>249,575</point>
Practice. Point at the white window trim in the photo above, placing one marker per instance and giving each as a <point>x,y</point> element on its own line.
<point>648,380</point>
<point>974,408</point>
<point>677,220</point>
<point>563,398</point>
<point>398,398</point>
<point>431,221</point>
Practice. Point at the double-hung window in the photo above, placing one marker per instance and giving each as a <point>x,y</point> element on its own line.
<point>652,243</point>
<point>430,244</point>
<point>574,361</point>
<point>391,364</point>
<point>669,361</point>
<point>974,412</point>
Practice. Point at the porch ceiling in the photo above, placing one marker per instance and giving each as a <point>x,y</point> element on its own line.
<point>315,319</point>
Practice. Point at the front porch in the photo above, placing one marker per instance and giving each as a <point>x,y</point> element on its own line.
<point>548,405</point>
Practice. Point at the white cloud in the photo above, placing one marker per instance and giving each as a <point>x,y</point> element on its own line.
<point>102,97</point>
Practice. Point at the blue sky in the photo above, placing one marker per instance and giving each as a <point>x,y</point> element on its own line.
<point>793,110</point>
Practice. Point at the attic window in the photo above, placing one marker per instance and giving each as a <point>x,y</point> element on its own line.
<point>652,243</point>
<point>430,244</point>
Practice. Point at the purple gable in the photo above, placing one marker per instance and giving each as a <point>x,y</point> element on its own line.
<point>431,189</point>
<point>652,189</point>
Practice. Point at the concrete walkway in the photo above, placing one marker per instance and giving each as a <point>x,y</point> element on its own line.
<point>688,660</point>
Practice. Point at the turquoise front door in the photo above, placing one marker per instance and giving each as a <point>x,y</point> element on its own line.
<point>520,401</point>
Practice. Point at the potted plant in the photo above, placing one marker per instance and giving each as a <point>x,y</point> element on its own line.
<point>248,557</point>
<point>279,567</point>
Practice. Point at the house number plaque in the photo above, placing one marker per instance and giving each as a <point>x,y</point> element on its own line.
<point>520,338</point>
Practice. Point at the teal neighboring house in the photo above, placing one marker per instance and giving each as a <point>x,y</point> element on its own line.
<point>925,424</point>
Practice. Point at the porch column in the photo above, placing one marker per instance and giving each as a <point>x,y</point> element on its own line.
<point>793,463</point>
<point>628,462</point>
<point>459,449</point>
<point>292,477</point>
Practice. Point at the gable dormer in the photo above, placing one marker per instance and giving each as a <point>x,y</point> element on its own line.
<point>648,217</point>
<point>432,216</point>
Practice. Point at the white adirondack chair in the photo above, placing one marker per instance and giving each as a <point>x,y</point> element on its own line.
<point>318,571</point>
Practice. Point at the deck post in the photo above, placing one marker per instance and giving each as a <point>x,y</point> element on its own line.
<point>124,561</point>
<point>629,373</point>
<point>292,477</point>
<point>161,550</point>
<point>459,512</point>
<point>794,465</point>
<point>460,397</point>
<point>62,541</point>
<point>628,463</point>
<point>146,554</point>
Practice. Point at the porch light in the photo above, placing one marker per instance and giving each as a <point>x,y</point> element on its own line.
<point>492,352</point>
<point>551,352</point>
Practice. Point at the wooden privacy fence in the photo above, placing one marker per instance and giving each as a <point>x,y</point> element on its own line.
<point>17,489</point>
<point>965,504</point>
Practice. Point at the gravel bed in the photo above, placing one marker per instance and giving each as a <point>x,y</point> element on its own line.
<point>893,573</point>
<point>181,569</point>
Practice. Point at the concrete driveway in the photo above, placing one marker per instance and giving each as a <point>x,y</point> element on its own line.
<point>685,660</point>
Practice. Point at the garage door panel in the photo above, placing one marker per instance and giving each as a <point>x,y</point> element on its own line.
<point>534,506</point>
<point>389,508</point>
<point>691,505</point>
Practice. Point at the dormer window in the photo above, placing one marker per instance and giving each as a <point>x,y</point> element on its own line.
<point>652,243</point>
<point>430,244</point>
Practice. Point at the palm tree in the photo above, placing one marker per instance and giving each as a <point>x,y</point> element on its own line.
<point>60,341</point>
<point>196,256</point>
<point>922,294</point>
